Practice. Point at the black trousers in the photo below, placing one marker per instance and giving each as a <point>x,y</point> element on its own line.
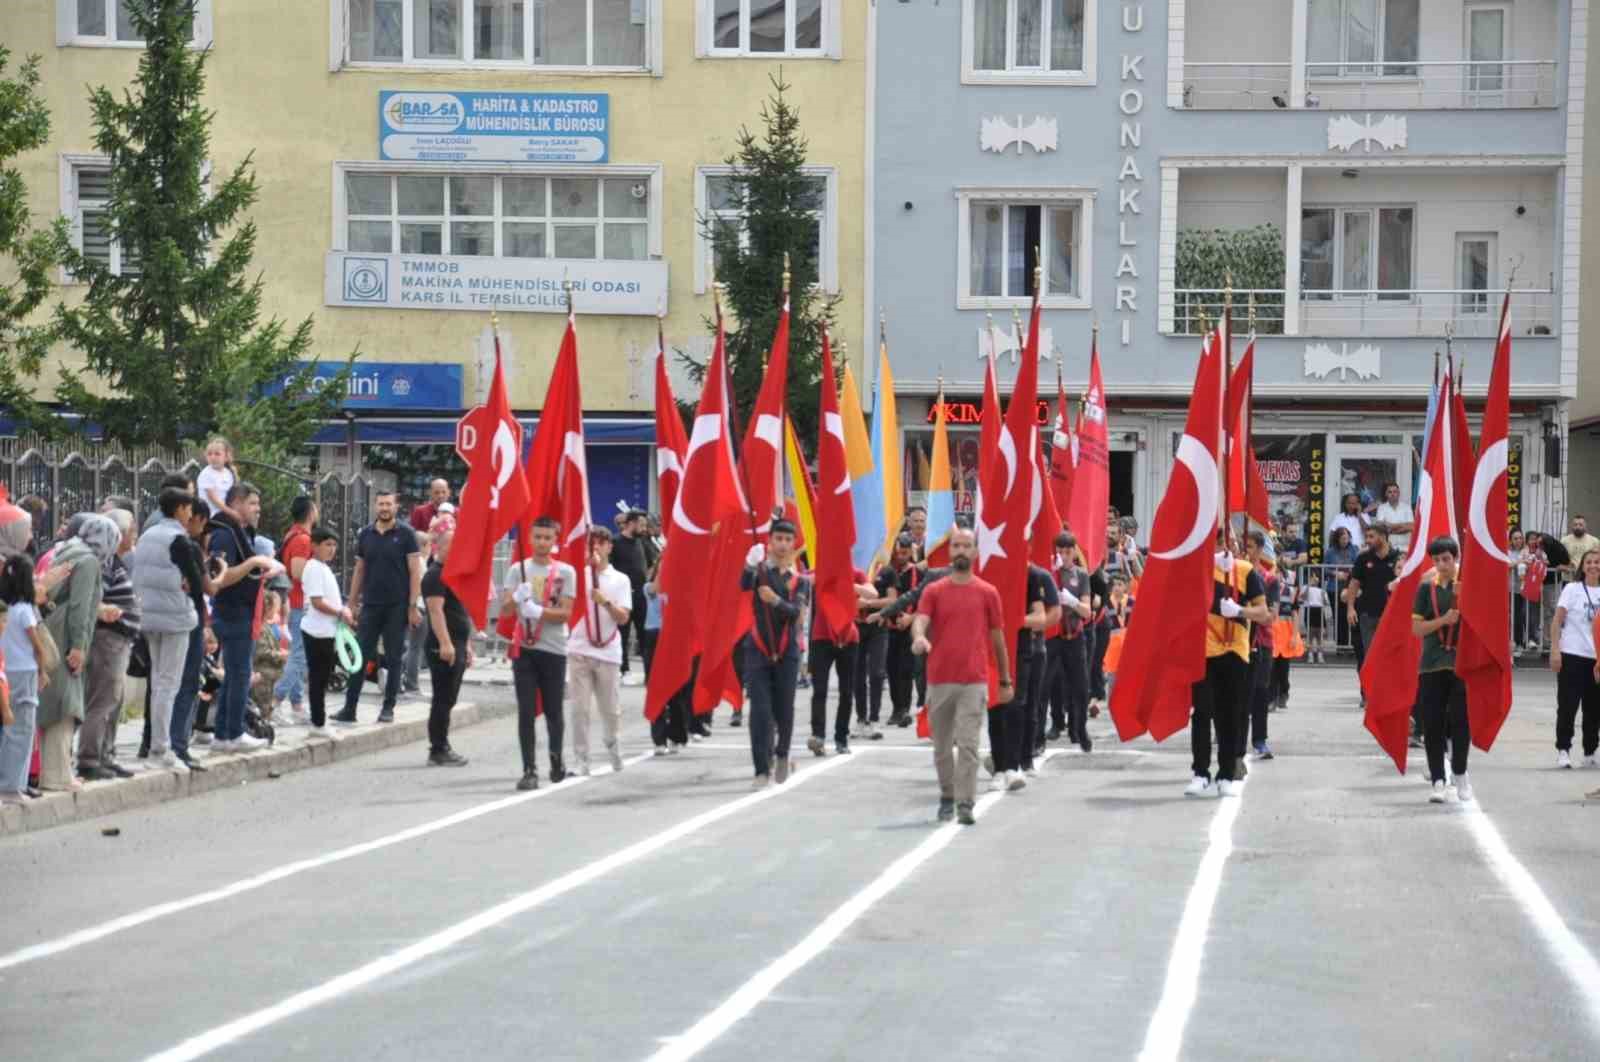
<point>1219,703</point>
<point>1575,688</point>
<point>541,683</point>
<point>871,658</point>
<point>1280,680</point>
<point>320,658</point>
<point>1260,694</point>
<point>902,666</point>
<point>770,684</point>
<point>626,631</point>
<point>389,623</point>
<point>446,688</point>
<point>824,658</point>
<point>1097,662</point>
<point>1069,705</point>
<point>677,718</point>
<point>1008,729</point>
<point>647,648</point>
<point>1444,717</point>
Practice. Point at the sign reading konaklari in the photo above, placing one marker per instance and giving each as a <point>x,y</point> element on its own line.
<point>494,126</point>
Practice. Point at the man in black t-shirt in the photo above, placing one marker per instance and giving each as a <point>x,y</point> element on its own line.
<point>1368,590</point>
<point>1068,648</point>
<point>899,577</point>
<point>628,557</point>
<point>383,595</point>
<point>1015,728</point>
<point>449,649</point>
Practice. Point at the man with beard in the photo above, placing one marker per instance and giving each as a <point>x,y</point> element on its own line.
<point>1068,648</point>
<point>384,591</point>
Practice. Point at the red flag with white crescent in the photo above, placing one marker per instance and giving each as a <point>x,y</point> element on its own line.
<point>1483,656</point>
<point>1164,649</point>
<point>557,470</point>
<point>671,442</point>
<point>1013,493</point>
<point>835,515</point>
<point>1245,489</point>
<point>1091,476</point>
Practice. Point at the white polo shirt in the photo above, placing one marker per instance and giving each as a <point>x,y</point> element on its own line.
<point>594,634</point>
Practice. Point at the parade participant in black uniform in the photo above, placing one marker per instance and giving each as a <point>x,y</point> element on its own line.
<point>1261,648</point>
<point>900,576</point>
<point>1069,647</point>
<point>834,651</point>
<point>1014,725</point>
<point>771,652</point>
<point>1238,599</point>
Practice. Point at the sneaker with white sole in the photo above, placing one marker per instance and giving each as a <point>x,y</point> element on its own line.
<point>616,756</point>
<point>1590,761</point>
<point>201,737</point>
<point>1015,781</point>
<point>661,750</point>
<point>299,717</point>
<point>997,784</point>
<point>169,761</point>
<point>248,743</point>
<point>220,748</point>
<point>1564,759</point>
<point>988,763</point>
<point>1200,786</point>
<point>1437,793</point>
<point>1463,789</point>
<point>1031,771</point>
<point>1227,787</point>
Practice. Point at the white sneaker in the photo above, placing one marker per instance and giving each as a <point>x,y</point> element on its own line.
<point>1031,772</point>
<point>201,737</point>
<point>1229,788</point>
<point>582,770</point>
<point>299,717</point>
<point>1590,761</point>
<point>661,750</point>
<point>1437,794</point>
<point>1463,789</point>
<point>248,743</point>
<point>988,763</point>
<point>1015,781</point>
<point>1564,759</point>
<point>997,784</point>
<point>169,760</point>
<point>319,731</point>
<point>178,765</point>
<point>616,756</point>
<point>221,748</point>
<point>1199,787</point>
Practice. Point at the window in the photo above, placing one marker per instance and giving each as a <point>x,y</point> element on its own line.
<point>1005,234</point>
<point>87,187</point>
<point>1486,46</point>
<point>107,24</point>
<point>716,201</point>
<point>1362,38</point>
<point>602,34</point>
<point>1352,252</point>
<point>491,215</point>
<point>769,27</point>
<point>1031,41</point>
<point>1475,255</point>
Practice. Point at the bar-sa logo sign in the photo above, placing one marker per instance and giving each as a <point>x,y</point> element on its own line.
<point>423,112</point>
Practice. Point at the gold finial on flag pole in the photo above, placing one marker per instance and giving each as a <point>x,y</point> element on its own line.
<point>787,277</point>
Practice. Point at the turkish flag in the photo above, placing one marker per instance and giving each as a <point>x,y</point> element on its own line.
<point>1063,457</point>
<point>1533,581</point>
<point>1465,456</point>
<point>494,499</point>
<point>1389,675</point>
<point>1091,477</point>
<point>761,473</point>
<point>1013,490</point>
<point>1246,493</point>
<point>1164,649</point>
<point>557,470</point>
<point>670,441</point>
<point>835,516</point>
<point>708,496</point>
<point>1483,655</point>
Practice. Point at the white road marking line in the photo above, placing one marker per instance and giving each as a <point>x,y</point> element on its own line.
<point>200,899</point>
<point>750,995</point>
<point>1578,962</point>
<point>1163,1040</point>
<point>366,974</point>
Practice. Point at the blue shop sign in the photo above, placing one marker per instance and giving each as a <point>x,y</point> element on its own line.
<point>392,384</point>
<point>494,126</point>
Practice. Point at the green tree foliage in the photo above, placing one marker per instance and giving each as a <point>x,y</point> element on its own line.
<point>32,254</point>
<point>780,204</point>
<point>174,345</point>
<point>1253,257</point>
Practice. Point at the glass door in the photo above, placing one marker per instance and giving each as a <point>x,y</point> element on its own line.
<point>1364,466</point>
<point>1486,28</point>
<point>1475,256</point>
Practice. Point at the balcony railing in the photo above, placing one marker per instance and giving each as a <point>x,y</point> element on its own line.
<point>1437,84</point>
<point>1339,313</point>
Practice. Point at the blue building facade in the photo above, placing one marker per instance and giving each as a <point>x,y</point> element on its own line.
<point>1372,174</point>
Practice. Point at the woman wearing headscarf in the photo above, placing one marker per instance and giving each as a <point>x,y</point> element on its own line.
<point>72,625</point>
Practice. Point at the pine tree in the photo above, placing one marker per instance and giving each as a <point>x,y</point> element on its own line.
<point>33,255</point>
<point>174,346</point>
<point>779,203</point>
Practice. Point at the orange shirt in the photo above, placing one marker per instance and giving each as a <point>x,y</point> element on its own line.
<point>1245,587</point>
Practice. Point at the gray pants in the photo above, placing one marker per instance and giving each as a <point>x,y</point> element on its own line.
<point>416,639</point>
<point>955,715</point>
<point>107,673</point>
<point>167,655</point>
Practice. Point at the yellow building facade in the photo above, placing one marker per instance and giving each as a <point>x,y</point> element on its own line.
<point>423,162</point>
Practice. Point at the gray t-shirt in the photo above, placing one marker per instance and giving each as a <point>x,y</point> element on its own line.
<point>552,634</point>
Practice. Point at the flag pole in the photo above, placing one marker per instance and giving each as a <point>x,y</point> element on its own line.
<point>1250,417</point>
<point>1225,326</point>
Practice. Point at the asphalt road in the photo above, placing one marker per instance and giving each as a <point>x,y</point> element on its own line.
<point>380,909</point>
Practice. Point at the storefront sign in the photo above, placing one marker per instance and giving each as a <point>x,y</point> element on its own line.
<point>972,412</point>
<point>494,126</point>
<point>1316,492</point>
<point>1130,179</point>
<point>529,285</point>
<point>1513,483</point>
<point>1284,462</point>
<point>430,385</point>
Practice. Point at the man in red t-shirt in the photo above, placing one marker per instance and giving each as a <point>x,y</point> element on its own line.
<point>296,550</point>
<point>958,625</point>
<point>422,515</point>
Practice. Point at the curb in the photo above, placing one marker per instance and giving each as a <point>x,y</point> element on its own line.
<point>158,787</point>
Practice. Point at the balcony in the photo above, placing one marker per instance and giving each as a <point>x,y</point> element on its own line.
<point>1462,313</point>
<point>1377,54</point>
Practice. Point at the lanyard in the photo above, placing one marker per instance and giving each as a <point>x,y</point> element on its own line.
<point>552,582</point>
<point>1447,633</point>
<point>592,631</point>
<point>766,611</point>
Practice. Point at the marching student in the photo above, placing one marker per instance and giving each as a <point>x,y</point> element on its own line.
<point>899,577</point>
<point>1572,658</point>
<point>1015,725</point>
<point>1068,648</point>
<point>1238,599</point>
<point>1435,619</point>
<point>1261,660</point>
<point>594,653</point>
<point>958,624</point>
<point>771,652</point>
<point>542,590</point>
<point>839,651</point>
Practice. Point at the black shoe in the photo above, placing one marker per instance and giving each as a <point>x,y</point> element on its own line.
<point>1086,745</point>
<point>33,792</point>
<point>841,748</point>
<point>1039,750</point>
<point>558,771</point>
<point>905,720</point>
<point>964,815</point>
<point>95,774</point>
<point>1053,734</point>
<point>118,770</point>
<point>530,780</point>
<point>947,809</point>
<point>144,752</point>
<point>447,758</point>
<point>412,688</point>
<point>737,720</point>
<point>386,716</point>
<point>194,764</point>
<point>346,718</point>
